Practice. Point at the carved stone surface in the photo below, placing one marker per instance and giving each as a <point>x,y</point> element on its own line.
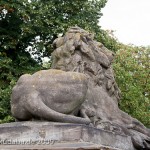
<point>50,95</point>
<point>91,96</point>
<point>60,136</point>
<point>77,51</point>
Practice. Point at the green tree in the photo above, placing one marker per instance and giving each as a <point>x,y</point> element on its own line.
<point>27,30</point>
<point>107,38</point>
<point>132,69</point>
<point>25,21</point>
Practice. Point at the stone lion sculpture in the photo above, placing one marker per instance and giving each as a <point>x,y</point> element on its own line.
<point>78,51</point>
<point>50,95</point>
<point>95,95</point>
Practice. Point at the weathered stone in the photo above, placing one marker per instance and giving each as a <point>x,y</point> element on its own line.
<point>49,94</point>
<point>58,42</point>
<point>92,95</point>
<point>101,106</point>
<point>52,136</point>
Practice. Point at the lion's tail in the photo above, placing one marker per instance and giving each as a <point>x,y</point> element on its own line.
<point>36,107</point>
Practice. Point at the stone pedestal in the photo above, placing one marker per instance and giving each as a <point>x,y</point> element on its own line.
<point>59,136</point>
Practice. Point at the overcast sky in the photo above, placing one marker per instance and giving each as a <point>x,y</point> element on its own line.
<point>130,19</point>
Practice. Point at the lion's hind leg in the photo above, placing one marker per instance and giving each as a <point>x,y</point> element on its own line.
<point>37,108</point>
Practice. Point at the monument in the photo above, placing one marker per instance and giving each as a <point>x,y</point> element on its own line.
<point>77,99</point>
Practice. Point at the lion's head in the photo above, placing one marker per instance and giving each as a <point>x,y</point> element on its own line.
<point>77,51</point>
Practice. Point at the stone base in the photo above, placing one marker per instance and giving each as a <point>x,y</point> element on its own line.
<point>59,136</point>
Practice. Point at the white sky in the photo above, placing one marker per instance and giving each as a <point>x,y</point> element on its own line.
<point>130,19</point>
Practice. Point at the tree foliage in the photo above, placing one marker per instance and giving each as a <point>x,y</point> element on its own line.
<point>25,21</point>
<point>27,30</point>
<point>132,69</point>
<point>107,38</point>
